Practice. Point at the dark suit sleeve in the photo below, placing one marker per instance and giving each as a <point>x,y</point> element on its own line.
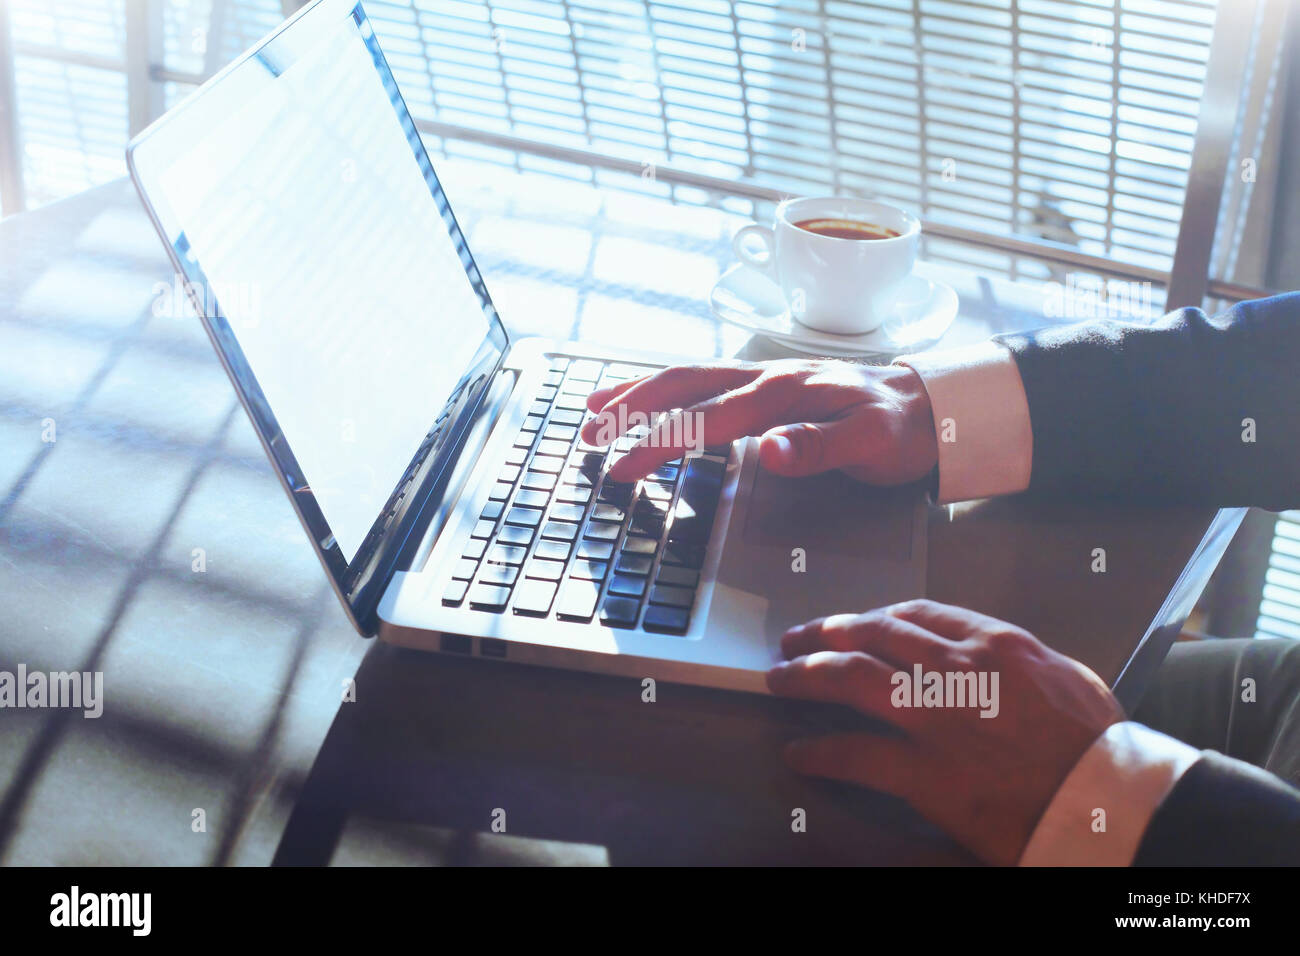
<point>1158,412</point>
<point>1223,812</point>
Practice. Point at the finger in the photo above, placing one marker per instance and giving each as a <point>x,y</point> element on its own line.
<point>718,421</point>
<point>892,639</point>
<point>852,678</point>
<point>600,397</point>
<point>888,764</point>
<point>676,387</point>
<point>808,448</point>
<point>946,620</point>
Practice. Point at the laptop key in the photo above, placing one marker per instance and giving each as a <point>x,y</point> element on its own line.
<point>570,400</point>
<point>533,597</point>
<point>652,490</point>
<point>671,596</point>
<point>577,601</point>
<point>634,563</point>
<point>625,371</point>
<point>507,554</point>
<point>500,491</point>
<point>509,473</point>
<point>617,493</point>
<point>677,577</point>
<point>666,620</point>
<point>503,574</point>
<point>549,446</point>
<point>619,612</point>
<point>553,377</point>
<point>465,569</point>
<point>539,481</point>
<point>492,510</point>
<point>533,423</point>
<point>684,555</point>
<point>574,494</point>
<point>568,512</point>
<point>546,464</point>
<point>515,534</point>
<point>586,370</point>
<point>560,530</point>
<point>695,510</point>
<point>600,531</point>
<point>579,477</point>
<point>531,498</point>
<point>627,585</point>
<point>553,550</point>
<point>525,517</point>
<point>546,570</point>
<point>640,545</point>
<point>567,416</point>
<point>595,550</point>
<point>483,529</point>
<point>539,409</point>
<point>589,570</point>
<point>605,512</point>
<point>649,526</point>
<point>488,597</point>
<point>474,548</point>
<point>455,593</point>
<point>516,456</point>
<point>558,432</point>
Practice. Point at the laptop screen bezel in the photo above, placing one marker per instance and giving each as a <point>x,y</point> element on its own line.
<point>358,583</point>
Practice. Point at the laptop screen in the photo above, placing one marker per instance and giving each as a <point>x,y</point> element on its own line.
<point>307,210</point>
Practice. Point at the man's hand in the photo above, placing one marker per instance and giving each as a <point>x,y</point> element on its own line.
<point>874,422</point>
<point>984,780</point>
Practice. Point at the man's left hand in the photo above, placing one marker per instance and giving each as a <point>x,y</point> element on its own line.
<point>985,780</point>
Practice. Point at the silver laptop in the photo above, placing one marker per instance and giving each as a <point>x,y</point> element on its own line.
<point>434,460</point>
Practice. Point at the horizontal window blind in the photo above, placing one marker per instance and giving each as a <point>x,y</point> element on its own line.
<point>1279,607</point>
<point>1072,120</point>
<point>71,93</point>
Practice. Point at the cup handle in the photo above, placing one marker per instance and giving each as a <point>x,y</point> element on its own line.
<point>765,263</point>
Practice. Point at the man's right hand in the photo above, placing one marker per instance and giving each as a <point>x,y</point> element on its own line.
<point>874,422</point>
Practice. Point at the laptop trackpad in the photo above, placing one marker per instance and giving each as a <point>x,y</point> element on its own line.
<point>831,512</point>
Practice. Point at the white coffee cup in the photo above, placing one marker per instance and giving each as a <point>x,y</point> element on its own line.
<point>847,286</point>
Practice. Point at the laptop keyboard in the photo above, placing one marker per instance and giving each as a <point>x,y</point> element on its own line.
<point>557,539</point>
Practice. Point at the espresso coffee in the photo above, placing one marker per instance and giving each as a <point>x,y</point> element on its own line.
<point>847,229</point>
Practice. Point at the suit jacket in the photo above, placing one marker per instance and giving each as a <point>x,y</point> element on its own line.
<point>1192,409</point>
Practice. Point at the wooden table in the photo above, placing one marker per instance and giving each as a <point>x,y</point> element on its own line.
<point>222,682</point>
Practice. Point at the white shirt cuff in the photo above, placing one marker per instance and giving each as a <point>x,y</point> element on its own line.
<point>1102,809</point>
<point>981,420</point>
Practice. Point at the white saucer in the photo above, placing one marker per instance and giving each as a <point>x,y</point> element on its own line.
<point>749,299</point>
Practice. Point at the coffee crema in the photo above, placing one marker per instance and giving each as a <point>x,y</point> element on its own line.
<point>847,229</point>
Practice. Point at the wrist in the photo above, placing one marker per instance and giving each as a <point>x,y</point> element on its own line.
<point>980,417</point>
<point>917,442</point>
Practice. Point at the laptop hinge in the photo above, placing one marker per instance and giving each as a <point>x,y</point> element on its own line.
<point>490,411</point>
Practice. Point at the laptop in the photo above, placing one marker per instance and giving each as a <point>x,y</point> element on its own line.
<point>433,458</point>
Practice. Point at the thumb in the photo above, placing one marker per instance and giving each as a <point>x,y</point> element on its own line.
<point>807,448</point>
